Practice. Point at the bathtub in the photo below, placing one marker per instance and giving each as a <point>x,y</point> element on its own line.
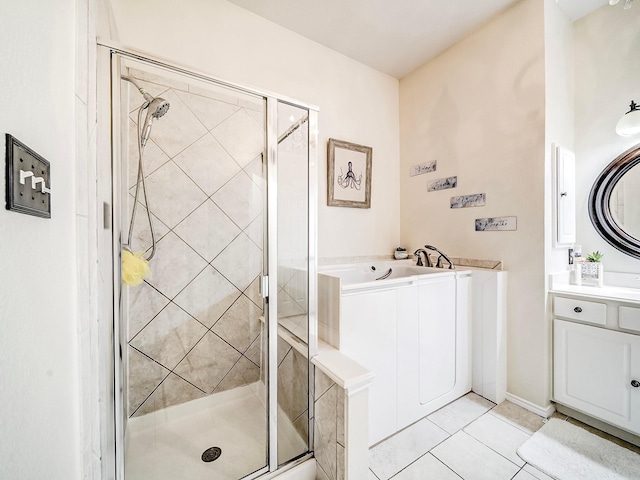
<point>410,325</point>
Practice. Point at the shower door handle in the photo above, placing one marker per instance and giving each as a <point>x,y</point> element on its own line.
<point>264,286</point>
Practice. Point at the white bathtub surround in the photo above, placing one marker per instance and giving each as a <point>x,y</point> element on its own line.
<point>489,326</point>
<point>411,329</point>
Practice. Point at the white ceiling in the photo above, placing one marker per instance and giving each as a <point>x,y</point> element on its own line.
<point>394,37</point>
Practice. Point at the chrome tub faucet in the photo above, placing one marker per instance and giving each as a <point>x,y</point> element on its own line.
<point>418,253</point>
<point>440,257</point>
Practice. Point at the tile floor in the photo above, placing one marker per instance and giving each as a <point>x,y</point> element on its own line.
<point>471,439</point>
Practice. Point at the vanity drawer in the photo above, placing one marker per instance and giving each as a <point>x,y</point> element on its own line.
<point>582,310</point>
<point>629,318</point>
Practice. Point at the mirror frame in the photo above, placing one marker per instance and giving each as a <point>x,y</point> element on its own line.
<point>600,196</point>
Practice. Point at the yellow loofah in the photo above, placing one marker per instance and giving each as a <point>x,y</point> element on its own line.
<point>134,268</point>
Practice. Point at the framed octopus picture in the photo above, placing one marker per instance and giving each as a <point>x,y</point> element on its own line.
<point>348,174</point>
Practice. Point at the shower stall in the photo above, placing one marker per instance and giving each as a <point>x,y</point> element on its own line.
<point>214,190</point>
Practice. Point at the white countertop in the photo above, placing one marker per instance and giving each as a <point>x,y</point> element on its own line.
<point>618,286</point>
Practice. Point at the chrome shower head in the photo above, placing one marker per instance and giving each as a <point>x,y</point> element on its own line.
<point>158,107</point>
<point>155,109</point>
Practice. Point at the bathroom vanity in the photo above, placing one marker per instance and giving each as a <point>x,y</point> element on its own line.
<point>596,349</point>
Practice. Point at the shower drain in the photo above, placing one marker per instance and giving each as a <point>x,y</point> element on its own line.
<point>211,454</point>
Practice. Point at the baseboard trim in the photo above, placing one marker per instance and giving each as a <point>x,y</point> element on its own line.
<point>545,412</point>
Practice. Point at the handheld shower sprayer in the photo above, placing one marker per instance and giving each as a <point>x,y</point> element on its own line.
<point>156,108</point>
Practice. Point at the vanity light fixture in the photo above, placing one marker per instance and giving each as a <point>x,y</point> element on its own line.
<point>629,124</point>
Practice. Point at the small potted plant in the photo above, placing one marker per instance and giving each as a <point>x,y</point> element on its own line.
<point>592,271</point>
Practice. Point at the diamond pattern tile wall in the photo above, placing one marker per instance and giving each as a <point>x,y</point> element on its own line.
<point>195,327</point>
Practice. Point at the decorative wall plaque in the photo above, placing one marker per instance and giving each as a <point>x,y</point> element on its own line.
<point>464,201</point>
<point>496,224</point>
<point>442,184</point>
<point>423,168</point>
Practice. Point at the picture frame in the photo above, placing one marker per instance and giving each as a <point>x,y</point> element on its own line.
<point>348,174</point>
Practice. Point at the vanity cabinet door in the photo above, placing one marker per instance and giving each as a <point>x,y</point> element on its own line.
<point>593,372</point>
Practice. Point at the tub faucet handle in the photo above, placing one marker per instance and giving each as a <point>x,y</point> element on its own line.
<point>418,253</point>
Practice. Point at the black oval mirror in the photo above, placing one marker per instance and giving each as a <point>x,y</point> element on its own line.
<point>618,225</point>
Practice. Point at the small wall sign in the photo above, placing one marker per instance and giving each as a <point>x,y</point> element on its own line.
<point>464,201</point>
<point>442,184</point>
<point>423,168</point>
<point>28,178</point>
<point>496,224</point>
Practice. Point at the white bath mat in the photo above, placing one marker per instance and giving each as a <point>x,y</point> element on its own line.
<point>566,452</point>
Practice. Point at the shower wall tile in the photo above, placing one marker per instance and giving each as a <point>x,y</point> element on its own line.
<point>255,231</point>
<point>322,384</point>
<point>252,103</point>
<point>301,424</point>
<point>283,349</point>
<point>144,376</point>
<point>240,325</point>
<point>163,81</point>
<point>253,292</point>
<point>145,302</point>
<point>208,363</point>
<point>141,238</point>
<point>257,116</point>
<point>243,373</point>
<point>287,306</point>
<point>325,443</point>
<point>174,265</point>
<point>241,199</point>
<point>175,132</point>
<point>241,136</point>
<point>340,417</point>
<point>135,97</point>
<point>172,194</point>
<point>340,462</point>
<point>153,156</point>
<point>240,262</point>
<point>184,164</point>
<point>173,391</point>
<point>255,170</point>
<point>254,352</point>
<point>329,422</point>
<point>216,92</point>
<point>292,383</point>
<point>209,111</point>
<point>207,230</point>
<point>208,296</point>
<point>207,164</point>
<point>169,336</point>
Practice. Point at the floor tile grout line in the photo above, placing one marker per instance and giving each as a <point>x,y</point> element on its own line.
<point>513,422</point>
<point>491,448</point>
<point>488,446</point>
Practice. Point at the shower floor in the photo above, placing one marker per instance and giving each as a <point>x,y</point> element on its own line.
<point>168,444</point>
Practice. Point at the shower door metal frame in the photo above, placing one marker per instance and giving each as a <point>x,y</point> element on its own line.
<point>112,53</point>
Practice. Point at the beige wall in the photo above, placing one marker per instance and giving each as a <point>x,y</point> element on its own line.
<point>39,332</point>
<point>607,44</point>
<point>357,104</point>
<point>478,109</point>
<point>559,114</point>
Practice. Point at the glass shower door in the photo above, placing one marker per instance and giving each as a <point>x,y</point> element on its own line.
<point>195,344</point>
<point>293,281</point>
